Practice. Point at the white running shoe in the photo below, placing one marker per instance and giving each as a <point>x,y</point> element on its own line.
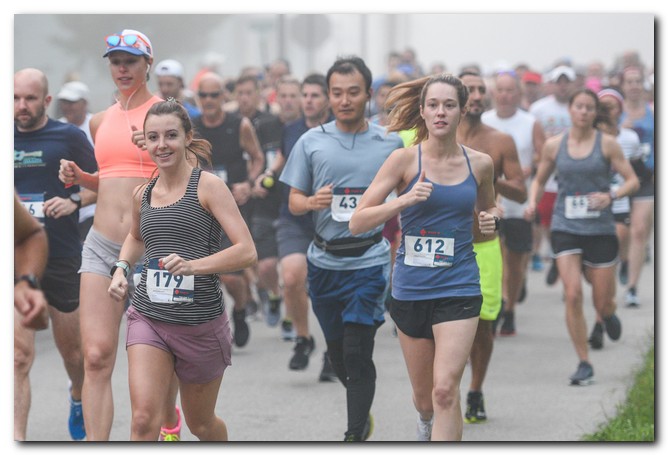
<point>424,429</point>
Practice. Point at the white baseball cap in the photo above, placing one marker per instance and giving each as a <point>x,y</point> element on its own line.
<point>169,67</point>
<point>73,91</point>
<point>562,70</point>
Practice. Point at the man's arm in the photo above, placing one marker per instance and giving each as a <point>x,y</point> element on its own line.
<point>512,185</point>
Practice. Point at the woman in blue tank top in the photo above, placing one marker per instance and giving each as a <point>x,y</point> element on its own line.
<point>583,230</point>
<point>177,323</point>
<point>435,283</point>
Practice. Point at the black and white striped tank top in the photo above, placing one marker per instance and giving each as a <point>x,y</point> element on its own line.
<point>187,229</point>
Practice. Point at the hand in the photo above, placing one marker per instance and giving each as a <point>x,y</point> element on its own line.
<point>599,201</point>
<point>58,207</point>
<point>32,305</point>
<point>118,289</point>
<point>176,265</point>
<point>241,192</point>
<point>420,191</point>
<point>530,212</point>
<point>322,198</point>
<point>486,223</point>
<point>258,191</point>
<point>69,173</point>
<point>138,138</point>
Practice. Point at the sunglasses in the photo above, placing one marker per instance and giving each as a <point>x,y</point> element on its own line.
<point>212,95</point>
<point>135,41</point>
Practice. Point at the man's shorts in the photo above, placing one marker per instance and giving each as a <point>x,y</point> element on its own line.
<point>348,296</point>
<point>264,236</point>
<point>60,283</point>
<point>416,318</point>
<point>517,234</point>
<point>597,251</point>
<point>490,263</point>
<point>201,352</point>
<point>292,237</point>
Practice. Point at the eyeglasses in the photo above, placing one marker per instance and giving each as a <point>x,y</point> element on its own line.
<point>212,95</point>
<point>135,41</point>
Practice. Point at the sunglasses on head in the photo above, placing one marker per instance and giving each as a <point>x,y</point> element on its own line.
<point>208,95</point>
<point>135,41</point>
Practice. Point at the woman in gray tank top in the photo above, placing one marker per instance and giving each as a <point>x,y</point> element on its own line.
<point>582,229</point>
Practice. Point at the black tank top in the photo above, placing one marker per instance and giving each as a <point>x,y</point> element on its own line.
<point>187,229</point>
<point>228,156</point>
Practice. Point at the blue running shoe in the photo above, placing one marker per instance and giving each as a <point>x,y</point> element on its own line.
<point>76,421</point>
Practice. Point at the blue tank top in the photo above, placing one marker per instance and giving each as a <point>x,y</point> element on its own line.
<point>645,128</point>
<point>436,258</point>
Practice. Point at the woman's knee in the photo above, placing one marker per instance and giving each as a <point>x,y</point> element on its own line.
<point>445,395</point>
<point>145,422</point>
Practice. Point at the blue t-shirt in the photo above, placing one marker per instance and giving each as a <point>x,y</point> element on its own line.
<point>37,156</point>
<point>325,155</point>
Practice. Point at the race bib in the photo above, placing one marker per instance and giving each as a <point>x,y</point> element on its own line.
<point>34,204</point>
<point>577,207</point>
<point>163,287</point>
<point>221,172</point>
<point>621,205</point>
<point>429,249</point>
<point>344,202</point>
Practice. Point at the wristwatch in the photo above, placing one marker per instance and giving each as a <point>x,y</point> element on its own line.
<point>497,222</point>
<point>30,278</point>
<point>123,265</point>
<point>76,198</point>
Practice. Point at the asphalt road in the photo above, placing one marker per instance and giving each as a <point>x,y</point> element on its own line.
<point>527,394</point>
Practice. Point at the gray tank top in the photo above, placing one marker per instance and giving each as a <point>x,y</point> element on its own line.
<point>577,178</point>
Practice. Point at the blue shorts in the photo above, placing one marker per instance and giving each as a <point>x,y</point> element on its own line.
<point>345,296</point>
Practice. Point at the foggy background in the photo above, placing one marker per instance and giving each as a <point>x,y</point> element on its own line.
<point>67,46</point>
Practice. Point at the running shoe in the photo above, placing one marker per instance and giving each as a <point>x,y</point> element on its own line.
<point>596,337</point>
<point>424,429</point>
<point>523,292</point>
<point>508,326</point>
<point>287,330</point>
<point>172,434</point>
<point>327,374</point>
<point>624,273</point>
<point>613,327</point>
<point>241,329</point>
<point>552,274</point>
<point>273,311</point>
<point>76,420</point>
<point>584,374</point>
<point>631,299</point>
<point>304,347</point>
<point>475,408</point>
<point>366,433</point>
<point>536,263</point>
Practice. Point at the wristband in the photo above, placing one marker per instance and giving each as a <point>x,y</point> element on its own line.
<point>125,265</point>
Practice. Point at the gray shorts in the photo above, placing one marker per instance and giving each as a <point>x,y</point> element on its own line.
<point>292,237</point>
<point>99,254</point>
<point>264,235</point>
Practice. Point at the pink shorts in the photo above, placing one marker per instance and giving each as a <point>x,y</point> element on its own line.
<point>201,352</point>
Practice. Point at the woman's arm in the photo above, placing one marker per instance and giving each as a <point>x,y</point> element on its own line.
<point>372,211</point>
<point>216,197</point>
